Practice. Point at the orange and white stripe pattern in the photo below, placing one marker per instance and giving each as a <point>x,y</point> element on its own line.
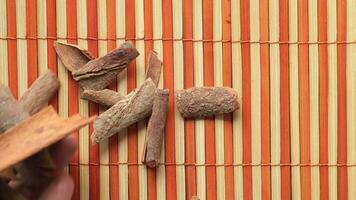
<point>292,62</point>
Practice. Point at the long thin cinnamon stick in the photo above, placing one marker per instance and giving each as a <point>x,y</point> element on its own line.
<point>206,101</point>
<point>155,129</point>
<point>125,112</point>
<point>40,92</point>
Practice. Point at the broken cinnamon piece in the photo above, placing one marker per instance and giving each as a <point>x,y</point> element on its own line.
<point>40,92</point>
<point>104,97</point>
<point>206,101</point>
<point>95,74</point>
<point>72,56</point>
<point>10,113</point>
<point>36,133</point>
<point>155,129</point>
<point>125,112</point>
<point>154,68</point>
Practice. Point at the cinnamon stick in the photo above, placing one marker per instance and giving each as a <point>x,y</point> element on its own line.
<point>40,92</point>
<point>155,129</point>
<point>95,74</point>
<point>206,101</point>
<point>10,112</point>
<point>72,56</point>
<point>154,68</point>
<point>36,133</point>
<point>104,97</point>
<point>125,112</point>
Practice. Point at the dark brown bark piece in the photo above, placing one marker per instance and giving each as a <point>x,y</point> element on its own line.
<point>125,112</point>
<point>104,97</point>
<point>113,62</point>
<point>40,92</point>
<point>72,56</point>
<point>206,101</point>
<point>154,68</point>
<point>155,129</point>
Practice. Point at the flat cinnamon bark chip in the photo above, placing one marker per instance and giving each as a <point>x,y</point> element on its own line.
<point>36,133</point>
<point>206,101</point>
<point>154,68</point>
<point>72,56</point>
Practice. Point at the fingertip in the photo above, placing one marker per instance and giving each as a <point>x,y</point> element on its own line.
<point>60,189</point>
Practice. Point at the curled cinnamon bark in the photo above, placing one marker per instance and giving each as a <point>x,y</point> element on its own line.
<point>206,101</point>
<point>95,74</point>
<point>125,112</point>
<point>154,67</point>
<point>155,129</point>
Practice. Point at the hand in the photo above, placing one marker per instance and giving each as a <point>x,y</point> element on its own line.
<point>61,188</point>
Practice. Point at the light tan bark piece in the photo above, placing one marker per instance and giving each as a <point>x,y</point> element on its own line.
<point>154,68</point>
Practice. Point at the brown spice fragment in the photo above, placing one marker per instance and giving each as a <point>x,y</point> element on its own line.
<point>154,67</point>
<point>95,74</point>
<point>125,112</point>
<point>72,56</point>
<point>10,112</point>
<point>155,129</point>
<point>104,97</point>
<point>206,101</point>
<point>40,92</point>
<point>36,133</point>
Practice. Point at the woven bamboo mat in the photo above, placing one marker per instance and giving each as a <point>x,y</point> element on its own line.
<point>293,63</point>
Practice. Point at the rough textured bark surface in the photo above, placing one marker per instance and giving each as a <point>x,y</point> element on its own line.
<point>72,56</point>
<point>155,129</point>
<point>10,112</point>
<point>154,68</point>
<point>206,101</point>
<point>100,72</point>
<point>104,97</point>
<point>125,112</point>
<point>40,92</point>
<point>95,74</point>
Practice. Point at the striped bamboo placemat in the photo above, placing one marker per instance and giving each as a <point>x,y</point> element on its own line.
<point>293,63</point>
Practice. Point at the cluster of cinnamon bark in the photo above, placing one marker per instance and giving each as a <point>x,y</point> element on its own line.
<point>146,101</point>
<point>27,128</point>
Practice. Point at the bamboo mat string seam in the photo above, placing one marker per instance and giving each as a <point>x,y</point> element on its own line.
<point>177,39</point>
<point>223,165</point>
